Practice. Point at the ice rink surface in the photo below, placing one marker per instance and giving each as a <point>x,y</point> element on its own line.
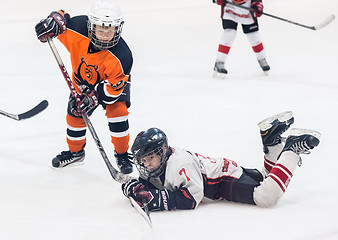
<point>174,45</point>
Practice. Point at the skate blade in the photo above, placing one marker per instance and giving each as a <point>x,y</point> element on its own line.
<point>219,75</point>
<point>282,117</point>
<point>266,73</point>
<point>70,165</point>
<point>301,131</point>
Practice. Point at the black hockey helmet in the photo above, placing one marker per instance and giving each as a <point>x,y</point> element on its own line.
<point>148,142</point>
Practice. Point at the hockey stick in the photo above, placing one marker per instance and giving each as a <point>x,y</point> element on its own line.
<point>118,176</point>
<point>144,212</point>
<point>327,21</point>
<point>30,113</point>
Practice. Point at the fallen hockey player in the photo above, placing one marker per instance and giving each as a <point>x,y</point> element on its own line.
<point>173,178</point>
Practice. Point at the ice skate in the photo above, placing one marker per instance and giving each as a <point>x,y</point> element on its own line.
<point>219,70</point>
<point>66,158</point>
<point>264,65</point>
<point>273,127</point>
<point>124,163</point>
<point>301,141</point>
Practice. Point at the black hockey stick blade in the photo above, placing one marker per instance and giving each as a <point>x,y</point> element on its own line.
<point>34,111</point>
<point>37,109</point>
<point>144,212</point>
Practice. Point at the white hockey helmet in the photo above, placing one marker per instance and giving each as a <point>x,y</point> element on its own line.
<point>107,15</point>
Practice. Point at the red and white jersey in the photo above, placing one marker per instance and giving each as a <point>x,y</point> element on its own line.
<point>237,14</point>
<point>194,172</point>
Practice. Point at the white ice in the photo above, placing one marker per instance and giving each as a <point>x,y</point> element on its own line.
<point>174,45</point>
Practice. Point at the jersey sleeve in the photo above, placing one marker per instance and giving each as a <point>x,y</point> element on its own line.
<point>184,180</point>
<point>111,88</point>
<point>116,75</point>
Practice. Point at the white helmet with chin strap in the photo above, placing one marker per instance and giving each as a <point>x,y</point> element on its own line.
<point>107,15</point>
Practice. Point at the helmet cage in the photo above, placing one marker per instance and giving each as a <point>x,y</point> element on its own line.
<point>151,141</point>
<point>104,45</point>
<point>143,170</point>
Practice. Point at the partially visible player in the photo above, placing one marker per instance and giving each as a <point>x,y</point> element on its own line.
<point>173,178</point>
<point>231,17</point>
<point>101,62</point>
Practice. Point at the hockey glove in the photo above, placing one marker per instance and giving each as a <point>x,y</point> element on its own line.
<point>89,101</point>
<point>258,8</point>
<point>52,26</point>
<point>154,199</point>
<point>219,2</point>
<point>127,188</point>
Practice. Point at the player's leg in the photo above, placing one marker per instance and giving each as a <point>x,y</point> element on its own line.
<point>271,130</point>
<point>117,116</point>
<point>254,37</point>
<point>225,43</point>
<point>300,141</point>
<point>76,139</point>
<point>241,189</point>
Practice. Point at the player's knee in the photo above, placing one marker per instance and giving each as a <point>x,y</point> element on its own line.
<point>117,109</point>
<point>254,174</point>
<point>267,194</point>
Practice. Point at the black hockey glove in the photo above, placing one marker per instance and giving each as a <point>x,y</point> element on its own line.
<point>52,26</point>
<point>154,199</point>
<point>127,188</point>
<point>89,101</point>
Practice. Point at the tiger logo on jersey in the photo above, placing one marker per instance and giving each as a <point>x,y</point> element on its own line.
<point>86,75</point>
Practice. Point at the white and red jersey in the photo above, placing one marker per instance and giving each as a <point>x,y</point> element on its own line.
<point>239,15</point>
<point>194,175</point>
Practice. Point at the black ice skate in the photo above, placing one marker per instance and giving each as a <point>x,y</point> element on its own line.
<point>273,127</point>
<point>264,65</point>
<point>124,163</point>
<point>301,141</point>
<point>219,70</point>
<point>66,158</point>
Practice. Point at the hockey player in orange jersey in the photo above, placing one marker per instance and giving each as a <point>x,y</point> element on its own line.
<point>101,62</point>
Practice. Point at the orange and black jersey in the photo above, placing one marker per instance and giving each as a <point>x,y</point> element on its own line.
<point>108,71</point>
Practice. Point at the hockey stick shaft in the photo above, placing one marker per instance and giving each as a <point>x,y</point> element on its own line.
<point>319,26</point>
<point>118,176</point>
<point>30,113</point>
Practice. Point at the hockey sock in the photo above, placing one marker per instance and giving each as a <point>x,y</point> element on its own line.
<point>256,44</point>
<point>227,38</point>
<point>76,133</point>
<point>117,116</point>
<point>271,157</point>
<point>275,184</point>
